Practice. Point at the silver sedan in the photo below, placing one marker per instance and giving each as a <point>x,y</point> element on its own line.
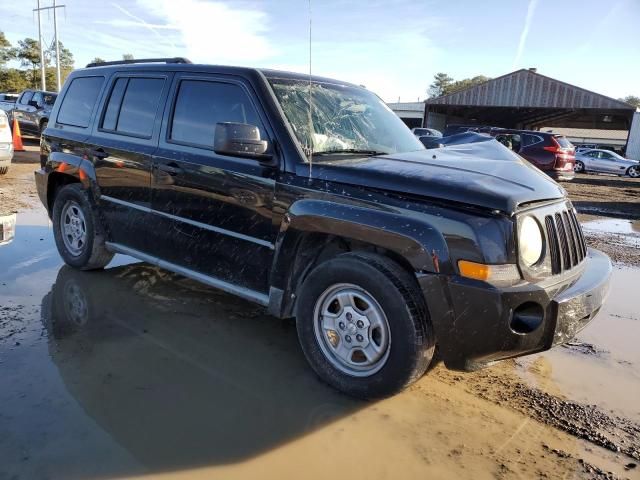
<point>604,161</point>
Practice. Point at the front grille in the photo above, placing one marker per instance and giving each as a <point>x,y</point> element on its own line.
<point>567,247</point>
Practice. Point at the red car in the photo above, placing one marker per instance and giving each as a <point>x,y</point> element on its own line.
<point>551,153</point>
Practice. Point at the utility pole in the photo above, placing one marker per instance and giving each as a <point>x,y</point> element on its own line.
<point>57,43</point>
<point>55,36</point>
<point>43,80</point>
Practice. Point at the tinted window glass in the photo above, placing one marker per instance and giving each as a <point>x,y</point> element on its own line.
<point>563,142</point>
<point>200,105</point>
<point>79,101</point>
<point>26,96</point>
<point>49,98</point>
<point>113,107</point>
<point>139,106</point>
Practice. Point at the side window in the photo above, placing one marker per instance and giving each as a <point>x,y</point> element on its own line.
<point>133,105</point>
<point>37,97</point>
<point>201,104</point>
<point>79,101</point>
<point>25,97</point>
<point>530,140</point>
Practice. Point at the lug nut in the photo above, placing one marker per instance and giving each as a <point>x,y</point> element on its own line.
<point>359,337</point>
<point>349,316</point>
<point>341,325</point>
<point>348,339</point>
<point>360,324</point>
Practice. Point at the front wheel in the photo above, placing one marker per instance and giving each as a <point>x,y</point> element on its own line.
<point>76,230</point>
<point>363,325</point>
<point>578,167</point>
<point>633,172</point>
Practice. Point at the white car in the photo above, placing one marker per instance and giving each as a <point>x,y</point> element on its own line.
<point>6,143</point>
<point>604,161</point>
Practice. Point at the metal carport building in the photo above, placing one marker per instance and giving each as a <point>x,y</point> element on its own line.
<point>525,99</point>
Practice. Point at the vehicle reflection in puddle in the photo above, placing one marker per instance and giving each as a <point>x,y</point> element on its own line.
<point>160,361</point>
<point>7,228</point>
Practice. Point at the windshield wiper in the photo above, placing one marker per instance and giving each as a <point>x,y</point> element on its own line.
<point>351,150</point>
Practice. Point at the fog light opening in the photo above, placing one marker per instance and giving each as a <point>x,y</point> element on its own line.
<point>527,318</point>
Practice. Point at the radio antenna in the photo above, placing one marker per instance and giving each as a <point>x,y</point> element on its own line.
<point>310,100</point>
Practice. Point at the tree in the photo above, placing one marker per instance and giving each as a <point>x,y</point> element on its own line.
<point>6,52</point>
<point>28,52</point>
<point>441,81</point>
<point>66,57</point>
<point>443,84</point>
<point>13,80</point>
<point>127,56</point>
<point>631,100</point>
<point>98,60</point>
<point>466,83</point>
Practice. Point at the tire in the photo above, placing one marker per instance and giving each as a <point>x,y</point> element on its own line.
<point>578,167</point>
<point>4,170</point>
<point>634,171</point>
<point>78,235</point>
<point>377,284</point>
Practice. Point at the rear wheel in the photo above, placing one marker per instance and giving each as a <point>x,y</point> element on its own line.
<point>363,325</point>
<point>578,167</point>
<point>76,230</point>
<point>633,172</point>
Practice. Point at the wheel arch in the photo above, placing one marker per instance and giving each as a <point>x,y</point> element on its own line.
<point>314,231</point>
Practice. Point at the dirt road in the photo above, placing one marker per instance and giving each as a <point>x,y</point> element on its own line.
<point>136,372</point>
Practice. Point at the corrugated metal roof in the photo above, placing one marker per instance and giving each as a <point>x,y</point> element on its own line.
<point>588,133</point>
<point>525,88</point>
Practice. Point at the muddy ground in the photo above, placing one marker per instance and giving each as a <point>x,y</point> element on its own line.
<point>136,372</point>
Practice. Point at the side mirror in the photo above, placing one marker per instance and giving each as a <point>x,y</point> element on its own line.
<point>33,103</point>
<point>240,140</point>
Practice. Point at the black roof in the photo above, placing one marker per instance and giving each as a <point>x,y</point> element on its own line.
<point>175,66</point>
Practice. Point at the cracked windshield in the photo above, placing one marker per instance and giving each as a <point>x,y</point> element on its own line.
<point>278,239</point>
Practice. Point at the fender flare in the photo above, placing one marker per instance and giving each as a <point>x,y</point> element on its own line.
<point>414,239</point>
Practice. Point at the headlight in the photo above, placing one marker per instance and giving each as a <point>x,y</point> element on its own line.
<point>530,241</point>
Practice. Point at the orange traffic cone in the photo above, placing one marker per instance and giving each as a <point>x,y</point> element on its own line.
<point>17,137</point>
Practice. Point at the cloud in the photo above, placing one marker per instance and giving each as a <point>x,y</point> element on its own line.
<point>215,32</point>
<point>525,32</point>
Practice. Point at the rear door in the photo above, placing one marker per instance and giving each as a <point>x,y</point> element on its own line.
<point>533,150</point>
<point>214,212</point>
<point>122,145</point>
<point>22,108</point>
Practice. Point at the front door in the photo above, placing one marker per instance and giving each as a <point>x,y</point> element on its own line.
<point>214,211</point>
<point>121,147</point>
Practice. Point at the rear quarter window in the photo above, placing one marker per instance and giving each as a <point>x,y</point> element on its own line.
<point>78,102</point>
<point>563,142</point>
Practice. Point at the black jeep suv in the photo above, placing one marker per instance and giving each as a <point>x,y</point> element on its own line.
<point>329,211</point>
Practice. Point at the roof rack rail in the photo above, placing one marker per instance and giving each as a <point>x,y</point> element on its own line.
<point>140,60</point>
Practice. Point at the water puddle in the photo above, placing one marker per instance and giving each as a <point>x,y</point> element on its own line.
<point>603,365</point>
<point>613,225</point>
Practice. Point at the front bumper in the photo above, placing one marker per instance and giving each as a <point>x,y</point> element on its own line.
<point>473,320</point>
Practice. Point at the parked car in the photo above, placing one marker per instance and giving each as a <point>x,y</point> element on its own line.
<point>426,132</point>
<point>604,161</point>
<point>8,102</point>
<point>596,146</point>
<point>551,153</point>
<point>380,249</point>
<point>6,143</point>
<point>32,110</point>
<point>454,129</point>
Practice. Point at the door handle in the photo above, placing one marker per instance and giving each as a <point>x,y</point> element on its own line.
<point>170,168</point>
<point>99,153</point>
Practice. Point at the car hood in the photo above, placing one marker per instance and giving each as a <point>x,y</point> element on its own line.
<point>483,173</point>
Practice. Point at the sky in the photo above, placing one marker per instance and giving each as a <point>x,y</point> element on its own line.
<point>393,47</point>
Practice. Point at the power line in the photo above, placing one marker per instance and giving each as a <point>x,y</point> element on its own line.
<point>54,7</point>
